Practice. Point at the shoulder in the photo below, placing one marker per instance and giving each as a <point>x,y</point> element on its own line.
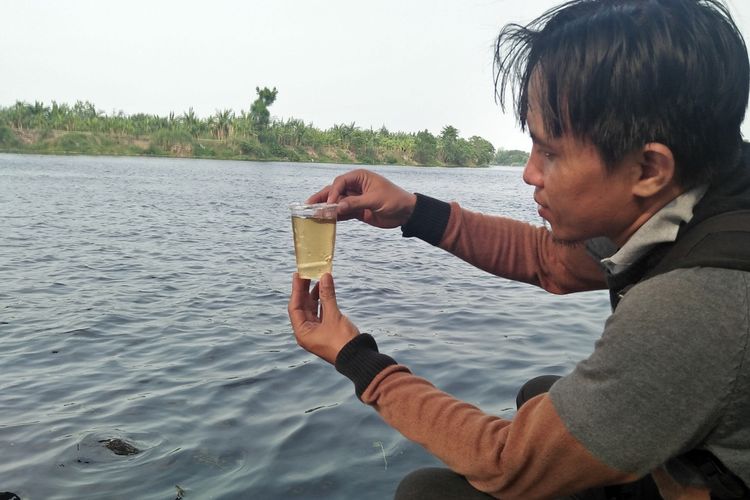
<point>695,316</point>
<point>687,298</point>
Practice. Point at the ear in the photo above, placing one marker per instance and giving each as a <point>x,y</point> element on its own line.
<point>655,170</point>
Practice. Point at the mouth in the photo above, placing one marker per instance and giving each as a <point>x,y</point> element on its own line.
<point>539,204</point>
<point>542,209</point>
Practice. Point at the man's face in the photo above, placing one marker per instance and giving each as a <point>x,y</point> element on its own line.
<point>576,195</point>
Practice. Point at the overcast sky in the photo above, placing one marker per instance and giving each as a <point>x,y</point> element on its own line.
<point>406,64</point>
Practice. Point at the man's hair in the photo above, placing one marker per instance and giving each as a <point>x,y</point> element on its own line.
<point>623,73</point>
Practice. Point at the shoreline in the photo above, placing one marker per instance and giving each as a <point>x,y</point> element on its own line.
<point>58,142</point>
<point>82,129</point>
<point>240,159</point>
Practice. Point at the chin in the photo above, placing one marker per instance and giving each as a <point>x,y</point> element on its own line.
<point>563,238</point>
<point>568,242</point>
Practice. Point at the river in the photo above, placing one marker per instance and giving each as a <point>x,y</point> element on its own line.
<point>145,299</point>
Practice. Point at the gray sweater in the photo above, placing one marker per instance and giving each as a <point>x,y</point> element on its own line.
<point>681,340</point>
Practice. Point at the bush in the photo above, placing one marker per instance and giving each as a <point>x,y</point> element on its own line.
<point>391,159</point>
<point>302,154</point>
<point>253,148</point>
<point>279,151</point>
<point>46,134</point>
<point>203,150</point>
<point>368,155</point>
<point>512,157</point>
<point>168,139</point>
<point>342,157</point>
<point>7,138</point>
<point>292,155</point>
<point>153,150</point>
<point>76,142</point>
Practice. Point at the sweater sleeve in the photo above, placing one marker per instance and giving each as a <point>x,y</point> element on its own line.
<point>505,247</point>
<point>531,456</point>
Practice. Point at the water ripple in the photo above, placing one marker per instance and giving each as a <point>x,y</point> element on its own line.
<point>145,300</point>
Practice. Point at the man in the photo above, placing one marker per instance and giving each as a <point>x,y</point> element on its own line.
<point>634,110</point>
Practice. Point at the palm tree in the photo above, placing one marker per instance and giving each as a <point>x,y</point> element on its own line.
<point>191,122</point>
<point>222,123</point>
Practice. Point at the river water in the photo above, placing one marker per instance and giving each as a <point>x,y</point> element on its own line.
<point>145,299</point>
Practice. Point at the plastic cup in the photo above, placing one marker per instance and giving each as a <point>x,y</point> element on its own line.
<point>314,228</point>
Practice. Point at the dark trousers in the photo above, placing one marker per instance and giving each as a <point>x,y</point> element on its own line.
<point>443,484</point>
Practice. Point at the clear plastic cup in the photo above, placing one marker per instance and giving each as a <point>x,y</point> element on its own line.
<point>314,228</point>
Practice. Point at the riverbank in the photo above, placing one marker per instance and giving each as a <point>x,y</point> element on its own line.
<point>59,142</point>
<point>83,129</point>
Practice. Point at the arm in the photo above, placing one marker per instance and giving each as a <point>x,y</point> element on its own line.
<point>532,456</point>
<point>369,197</point>
<point>505,247</point>
<point>501,246</point>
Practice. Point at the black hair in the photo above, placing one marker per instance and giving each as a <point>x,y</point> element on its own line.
<point>623,73</point>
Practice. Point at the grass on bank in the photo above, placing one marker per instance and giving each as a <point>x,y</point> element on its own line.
<point>82,129</point>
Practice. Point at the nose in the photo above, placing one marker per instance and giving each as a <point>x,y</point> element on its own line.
<point>532,174</point>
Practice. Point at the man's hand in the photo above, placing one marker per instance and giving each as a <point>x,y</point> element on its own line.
<point>318,324</point>
<point>368,197</point>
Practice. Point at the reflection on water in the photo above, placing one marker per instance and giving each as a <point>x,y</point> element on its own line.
<point>145,300</point>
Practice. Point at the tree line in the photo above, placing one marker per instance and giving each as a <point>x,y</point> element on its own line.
<point>252,134</point>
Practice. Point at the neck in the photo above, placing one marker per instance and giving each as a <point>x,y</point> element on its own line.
<point>643,209</point>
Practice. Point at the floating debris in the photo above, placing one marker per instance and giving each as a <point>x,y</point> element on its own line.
<point>378,444</point>
<point>120,447</point>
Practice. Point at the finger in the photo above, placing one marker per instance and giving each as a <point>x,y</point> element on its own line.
<point>335,190</point>
<point>297,308</point>
<point>328,306</point>
<point>319,197</point>
<point>355,204</point>
<point>300,288</point>
<point>315,298</point>
<point>346,184</point>
<point>343,212</point>
<point>311,302</point>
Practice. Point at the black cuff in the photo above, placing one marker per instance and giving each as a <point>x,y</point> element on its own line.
<point>360,361</point>
<point>428,221</point>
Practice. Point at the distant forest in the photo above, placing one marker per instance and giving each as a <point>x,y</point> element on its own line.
<point>249,135</point>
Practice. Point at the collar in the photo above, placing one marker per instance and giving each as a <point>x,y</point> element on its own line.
<point>662,227</point>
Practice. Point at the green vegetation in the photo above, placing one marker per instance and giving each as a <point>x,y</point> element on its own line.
<point>253,135</point>
<point>511,158</point>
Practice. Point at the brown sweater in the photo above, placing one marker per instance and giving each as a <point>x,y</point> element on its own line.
<point>532,456</point>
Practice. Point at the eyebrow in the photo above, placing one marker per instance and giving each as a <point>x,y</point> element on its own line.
<point>538,140</point>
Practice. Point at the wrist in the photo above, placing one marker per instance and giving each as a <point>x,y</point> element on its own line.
<point>360,361</point>
<point>428,219</point>
<point>408,210</point>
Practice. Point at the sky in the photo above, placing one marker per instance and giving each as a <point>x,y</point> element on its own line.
<point>408,65</point>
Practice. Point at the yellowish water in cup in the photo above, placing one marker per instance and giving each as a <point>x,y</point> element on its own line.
<point>314,228</point>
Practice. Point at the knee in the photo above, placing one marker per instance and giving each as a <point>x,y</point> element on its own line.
<point>436,482</point>
<point>534,387</point>
<point>418,484</point>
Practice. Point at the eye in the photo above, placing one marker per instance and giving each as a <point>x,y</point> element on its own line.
<point>547,154</point>
<point>544,152</point>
